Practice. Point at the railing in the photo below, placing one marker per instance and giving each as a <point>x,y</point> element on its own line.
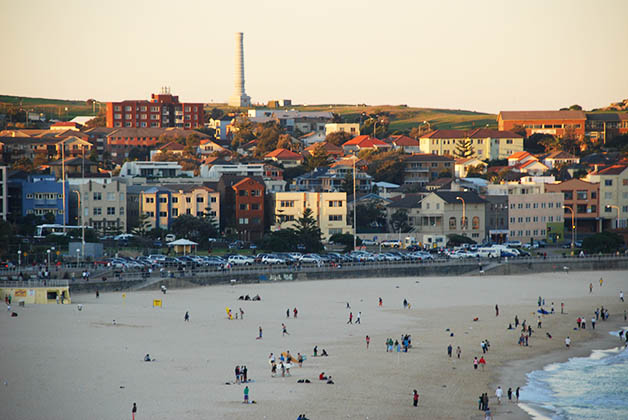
<point>35,283</point>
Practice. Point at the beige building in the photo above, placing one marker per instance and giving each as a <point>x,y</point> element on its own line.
<point>351,128</point>
<point>165,203</point>
<point>532,212</point>
<point>487,144</point>
<point>329,209</point>
<point>100,203</point>
<point>613,182</point>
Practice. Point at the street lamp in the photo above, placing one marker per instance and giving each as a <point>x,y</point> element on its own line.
<point>80,212</point>
<point>573,226</point>
<point>48,252</point>
<point>19,259</point>
<point>78,253</point>
<point>355,213</point>
<point>464,217</point>
<point>610,206</point>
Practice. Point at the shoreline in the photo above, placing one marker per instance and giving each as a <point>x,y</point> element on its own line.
<point>516,370</point>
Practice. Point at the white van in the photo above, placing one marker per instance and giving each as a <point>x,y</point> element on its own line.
<point>170,237</point>
<point>489,252</point>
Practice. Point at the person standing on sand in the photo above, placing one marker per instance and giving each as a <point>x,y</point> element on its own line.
<point>133,411</point>
<point>368,341</point>
<point>246,394</point>
<point>475,363</point>
<point>510,394</point>
<point>621,295</point>
<point>381,302</point>
<point>496,310</point>
<point>517,394</point>
<point>562,307</point>
<point>284,329</point>
<point>449,350</point>
<point>357,319</point>
<point>259,337</point>
<point>415,398</point>
<point>593,322</point>
<point>288,313</point>
<point>295,312</point>
<point>567,342</point>
<point>499,393</point>
<point>516,321</point>
<point>482,362</point>
<point>458,352</point>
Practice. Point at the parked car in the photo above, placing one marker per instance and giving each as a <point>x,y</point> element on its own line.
<point>368,242</point>
<point>311,258</point>
<point>272,259</point>
<point>240,260</point>
<point>390,243</point>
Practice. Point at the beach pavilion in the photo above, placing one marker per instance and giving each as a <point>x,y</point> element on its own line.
<point>182,246</point>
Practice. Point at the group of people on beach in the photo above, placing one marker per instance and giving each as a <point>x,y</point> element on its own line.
<point>405,343</point>
<point>241,374</point>
<point>247,297</point>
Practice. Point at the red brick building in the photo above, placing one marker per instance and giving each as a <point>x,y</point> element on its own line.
<point>545,122</point>
<point>249,211</point>
<point>584,198</point>
<point>163,110</point>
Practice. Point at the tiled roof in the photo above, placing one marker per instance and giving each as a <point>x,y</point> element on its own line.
<point>403,141</point>
<point>520,155</point>
<point>173,145</point>
<point>558,155</point>
<point>284,154</point>
<point>329,147</point>
<point>428,157</point>
<point>542,115</point>
<point>611,170</point>
<point>365,141</point>
<point>469,197</point>
<point>484,133</point>
<point>445,134</point>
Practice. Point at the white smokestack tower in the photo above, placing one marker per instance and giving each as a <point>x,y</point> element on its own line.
<point>239,97</point>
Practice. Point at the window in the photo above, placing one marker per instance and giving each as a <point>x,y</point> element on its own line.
<point>536,232</point>
<point>117,108</point>
<point>535,205</point>
<point>608,182</point>
<point>608,195</point>
<point>162,214</point>
<point>174,199</point>
<point>335,203</point>
<point>475,223</point>
<point>452,223</point>
<point>243,221</point>
<point>535,218</point>
<point>527,205</point>
<point>97,211</point>
<point>519,219</point>
<point>255,206</point>
<point>243,193</point>
<point>244,206</point>
<point>29,196</point>
<point>163,199</point>
<point>508,141</point>
<point>97,196</point>
<point>111,196</point>
<point>550,205</point>
<point>512,220</point>
<point>568,195</point>
<point>150,200</point>
<point>121,211</point>
<point>335,217</point>
<point>150,213</point>
<point>527,219</point>
<point>256,193</point>
<point>285,203</point>
<point>188,211</point>
<point>582,194</point>
<point>212,199</point>
<point>255,220</point>
<point>200,199</point>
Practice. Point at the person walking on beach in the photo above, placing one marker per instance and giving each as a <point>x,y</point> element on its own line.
<point>350,321</point>
<point>368,341</point>
<point>288,313</point>
<point>601,281</point>
<point>295,312</point>
<point>284,329</point>
<point>562,307</point>
<point>381,302</point>
<point>499,393</point>
<point>567,342</point>
<point>415,398</point>
<point>186,317</point>
<point>516,321</point>
<point>357,319</point>
<point>621,295</point>
<point>259,337</point>
<point>482,362</point>
<point>517,394</point>
<point>590,288</point>
<point>509,394</point>
<point>458,352</point>
<point>246,394</point>
<point>496,310</point>
<point>475,363</point>
<point>133,411</point>
<point>449,350</point>
<point>593,322</point>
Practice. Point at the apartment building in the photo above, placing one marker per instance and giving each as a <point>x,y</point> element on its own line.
<point>165,203</point>
<point>163,110</point>
<point>422,168</point>
<point>533,214</point>
<point>584,199</point>
<point>613,196</point>
<point>150,169</point>
<point>351,128</point>
<point>556,123</point>
<point>37,195</point>
<point>328,208</point>
<point>603,127</point>
<point>242,205</point>
<point>99,203</point>
<point>487,144</point>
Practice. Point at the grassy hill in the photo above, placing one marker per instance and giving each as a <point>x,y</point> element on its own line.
<point>52,108</point>
<point>403,118</point>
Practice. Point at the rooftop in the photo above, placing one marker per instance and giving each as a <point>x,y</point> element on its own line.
<point>542,115</point>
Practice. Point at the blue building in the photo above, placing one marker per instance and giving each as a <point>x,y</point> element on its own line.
<point>39,195</point>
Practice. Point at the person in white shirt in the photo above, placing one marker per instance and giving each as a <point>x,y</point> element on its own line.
<point>567,342</point>
<point>499,393</point>
<point>621,295</point>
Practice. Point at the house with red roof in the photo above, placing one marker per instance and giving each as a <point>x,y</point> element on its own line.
<point>285,157</point>
<point>172,147</point>
<point>364,142</point>
<point>331,149</point>
<point>404,143</point>
<point>66,125</point>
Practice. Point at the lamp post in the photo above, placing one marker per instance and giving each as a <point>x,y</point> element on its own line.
<point>48,252</point>
<point>464,217</point>
<point>610,206</point>
<point>78,253</point>
<point>80,212</point>
<point>355,202</point>
<point>573,226</point>
<point>19,259</point>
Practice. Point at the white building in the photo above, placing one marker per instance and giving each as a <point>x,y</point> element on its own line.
<point>150,169</point>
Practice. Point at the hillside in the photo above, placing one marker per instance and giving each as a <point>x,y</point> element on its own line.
<point>52,108</point>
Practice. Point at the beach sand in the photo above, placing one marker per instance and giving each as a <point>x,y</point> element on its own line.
<point>59,363</point>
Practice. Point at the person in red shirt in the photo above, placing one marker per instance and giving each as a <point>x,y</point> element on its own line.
<point>368,341</point>
<point>482,362</point>
<point>415,397</point>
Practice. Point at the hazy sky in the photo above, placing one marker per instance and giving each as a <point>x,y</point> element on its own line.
<point>477,55</point>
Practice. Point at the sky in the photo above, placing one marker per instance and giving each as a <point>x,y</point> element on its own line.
<point>480,55</point>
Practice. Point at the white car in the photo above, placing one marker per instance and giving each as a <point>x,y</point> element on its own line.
<point>240,260</point>
<point>272,259</point>
<point>390,243</point>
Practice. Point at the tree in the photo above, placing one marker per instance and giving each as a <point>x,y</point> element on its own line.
<point>457,240</point>
<point>464,148</point>
<point>93,155</point>
<point>243,132</point>
<point>23,164</point>
<point>370,215</point>
<point>347,183</point>
<point>399,221</point>
<point>143,225</point>
<point>137,153</point>
<point>191,143</point>
<point>216,113</point>
<point>345,239</point>
<point>99,121</point>
<point>536,142</point>
<point>280,241</point>
<point>318,158</point>
<point>604,242</point>
<point>284,142</point>
<point>549,143</point>
<point>194,228</point>
<point>338,138</point>
<point>570,141</point>
<point>267,139</point>
<point>575,107</point>
<point>307,232</point>
<point>386,166</point>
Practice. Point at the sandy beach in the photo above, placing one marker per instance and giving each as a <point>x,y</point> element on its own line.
<point>60,363</point>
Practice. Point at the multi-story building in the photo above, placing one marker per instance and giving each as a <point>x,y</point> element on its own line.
<point>584,199</point>
<point>332,180</point>
<point>613,196</point>
<point>4,193</point>
<point>221,126</point>
<point>328,208</point>
<point>100,203</point>
<point>291,121</point>
<point>603,127</point>
<point>242,205</point>
<point>545,122</point>
<point>150,169</point>
<point>485,143</point>
<point>38,195</point>
<point>165,203</point>
<point>423,168</point>
<point>163,110</point>
<point>496,218</point>
<point>533,214</point>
